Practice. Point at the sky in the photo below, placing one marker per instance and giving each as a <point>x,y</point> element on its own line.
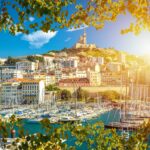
<point>39,42</point>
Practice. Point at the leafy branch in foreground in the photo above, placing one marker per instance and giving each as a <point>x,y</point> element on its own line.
<point>58,14</point>
<point>91,136</point>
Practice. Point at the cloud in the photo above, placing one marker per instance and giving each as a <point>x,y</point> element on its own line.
<point>68,39</point>
<point>75,29</point>
<point>18,33</point>
<point>31,19</point>
<point>39,38</point>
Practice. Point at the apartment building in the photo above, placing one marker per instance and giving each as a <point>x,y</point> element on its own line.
<point>74,82</point>
<point>49,62</point>
<point>114,66</point>
<point>22,91</point>
<point>11,93</point>
<point>71,62</point>
<point>99,60</point>
<point>47,78</point>
<point>94,78</point>
<point>6,74</point>
<point>27,66</point>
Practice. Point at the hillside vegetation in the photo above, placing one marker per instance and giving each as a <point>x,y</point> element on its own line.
<point>109,54</point>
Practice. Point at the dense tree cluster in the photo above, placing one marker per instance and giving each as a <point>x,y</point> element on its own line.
<point>65,95</point>
<point>11,61</point>
<point>35,58</point>
<point>110,95</point>
<point>81,94</point>
<point>52,87</point>
<point>87,136</point>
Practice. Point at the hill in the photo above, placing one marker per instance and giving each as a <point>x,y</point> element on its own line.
<point>109,54</point>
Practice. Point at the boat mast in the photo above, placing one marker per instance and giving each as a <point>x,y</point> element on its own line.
<point>75,93</point>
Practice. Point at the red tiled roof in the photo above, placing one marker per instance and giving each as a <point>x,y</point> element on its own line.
<point>24,80</point>
<point>74,80</point>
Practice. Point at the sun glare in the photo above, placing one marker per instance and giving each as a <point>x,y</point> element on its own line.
<point>144,42</point>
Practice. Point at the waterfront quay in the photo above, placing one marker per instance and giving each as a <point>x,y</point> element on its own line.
<point>60,112</point>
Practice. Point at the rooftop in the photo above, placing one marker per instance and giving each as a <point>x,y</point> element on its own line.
<point>23,80</point>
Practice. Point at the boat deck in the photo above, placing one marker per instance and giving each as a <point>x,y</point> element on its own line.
<point>123,126</point>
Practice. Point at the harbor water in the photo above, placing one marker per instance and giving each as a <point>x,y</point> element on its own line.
<point>106,118</point>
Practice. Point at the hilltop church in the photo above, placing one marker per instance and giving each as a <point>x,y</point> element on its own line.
<point>82,43</point>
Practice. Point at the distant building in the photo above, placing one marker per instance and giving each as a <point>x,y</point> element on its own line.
<point>71,62</point>
<point>114,78</point>
<point>3,67</point>
<point>58,75</point>
<point>22,91</point>
<point>27,66</point>
<point>114,66</point>
<point>94,78</point>
<point>2,61</point>
<point>96,68</point>
<point>81,74</point>
<point>50,79</point>
<point>143,75</point>
<point>99,60</point>
<point>33,91</point>
<point>47,78</point>
<point>6,74</point>
<point>11,93</point>
<point>82,43</point>
<point>122,58</point>
<point>49,63</point>
<point>74,82</point>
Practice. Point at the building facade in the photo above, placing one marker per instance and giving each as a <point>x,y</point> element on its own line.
<point>6,74</point>
<point>26,66</point>
<point>74,82</point>
<point>94,78</point>
<point>114,66</point>
<point>22,91</point>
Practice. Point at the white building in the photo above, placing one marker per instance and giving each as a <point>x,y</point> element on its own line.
<point>11,93</point>
<point>2,60</point>
<point>58,75</point>
<point>71,62</point>
<point>99,60</point>
<point>114,66</point>
<point>27,65</point>
<point>6,74</point>
<point>81,74</point>
<point>50,79</point>
<point>22,91</point>
<point>94,78</point>
<point>122,58</point>
<point>33,91</point>
<point>49,62</point>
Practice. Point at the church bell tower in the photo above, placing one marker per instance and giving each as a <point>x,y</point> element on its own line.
<point>84,37</point>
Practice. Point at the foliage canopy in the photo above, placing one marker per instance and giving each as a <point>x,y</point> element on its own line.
<point>89,136</point>
<point>57,14</point>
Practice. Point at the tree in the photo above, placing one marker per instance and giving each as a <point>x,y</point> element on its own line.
<point>91,136</point>
<point>82,94</point>
<point>57,14</point>
<point>110,95</point>
<point>34,58</point>
<point>52,87</point>
<point>11,61</point>
<point>65,94</point>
